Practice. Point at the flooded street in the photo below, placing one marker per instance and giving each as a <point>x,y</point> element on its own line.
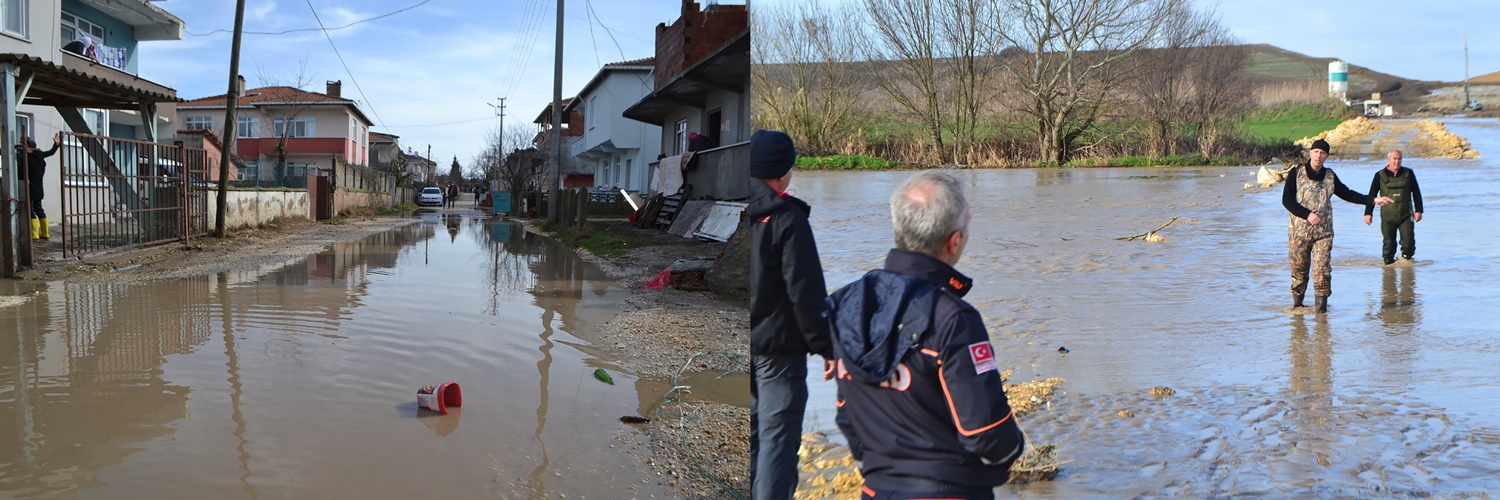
<point>299,380</point>
<point>1391,393</point>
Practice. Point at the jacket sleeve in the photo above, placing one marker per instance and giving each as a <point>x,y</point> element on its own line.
<point>1374,188</point>
<point>1416,192</point>
<point>803,273</point>
<point>1289,196</point>
<point>974,393</point>
<point>1349,195</point>
<point>50,152</point>
<point>846,426</point>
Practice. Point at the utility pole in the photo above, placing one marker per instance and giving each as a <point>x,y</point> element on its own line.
<point>231,101</point>
<point>500,110</point>
<point>555,192</point>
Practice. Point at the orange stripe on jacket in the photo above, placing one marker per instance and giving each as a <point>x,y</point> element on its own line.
<point>954,411</point>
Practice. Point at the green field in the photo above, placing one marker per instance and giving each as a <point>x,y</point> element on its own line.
<point>1276,130</point>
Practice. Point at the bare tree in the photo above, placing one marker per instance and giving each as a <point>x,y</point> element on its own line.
<point>967,29</point>
<point>1222,92</point>
<point>903,53</point>
<point>803,71</point>
<point>290,105</point>
<point>1070,58</point>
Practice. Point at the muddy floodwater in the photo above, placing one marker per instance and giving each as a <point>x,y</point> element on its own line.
<point>298,380</point>
<point>1392,393</point>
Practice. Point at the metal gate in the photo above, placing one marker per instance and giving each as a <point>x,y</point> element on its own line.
<point>119,194</point>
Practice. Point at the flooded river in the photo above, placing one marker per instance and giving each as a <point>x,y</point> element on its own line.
<point>299,380</point>
<point>1391,393</point>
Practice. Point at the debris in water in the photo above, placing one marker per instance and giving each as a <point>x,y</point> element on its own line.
<point>439,398</point>
<point>1038,463</point>
<point>1148,234</point>
<point>632,419</point>
<point>600,374</point>
<point>1125,414</point>
<point>1063,350</point>
<point>1162,391</point>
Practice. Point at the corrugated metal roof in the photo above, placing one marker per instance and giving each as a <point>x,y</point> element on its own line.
<point>57,85</point>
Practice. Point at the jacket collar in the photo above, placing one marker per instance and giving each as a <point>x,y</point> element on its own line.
<point>929,268</point>
<point>1315,175</point>
<point>765,201</point>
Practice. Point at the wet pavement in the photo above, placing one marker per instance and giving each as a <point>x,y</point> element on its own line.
<point>298,380</point>
<point>1391,393</point>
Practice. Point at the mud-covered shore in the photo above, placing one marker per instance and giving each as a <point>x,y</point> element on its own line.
<point>700,447</point>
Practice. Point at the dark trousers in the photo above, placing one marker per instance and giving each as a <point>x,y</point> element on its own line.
<point>778,398</point>
<point>37,212</point>
<point>1389,228</point>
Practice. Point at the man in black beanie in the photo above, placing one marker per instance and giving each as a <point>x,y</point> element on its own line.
<point>1308,195</point>
<point>787,316</point>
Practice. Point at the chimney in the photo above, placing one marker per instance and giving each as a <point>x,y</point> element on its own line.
<point>335,87</point>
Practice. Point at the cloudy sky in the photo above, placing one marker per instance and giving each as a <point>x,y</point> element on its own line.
<point>427,74</point>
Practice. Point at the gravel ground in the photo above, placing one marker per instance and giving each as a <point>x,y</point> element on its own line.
<point>657,331</point>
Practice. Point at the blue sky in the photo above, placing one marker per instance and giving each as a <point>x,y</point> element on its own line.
<point>428,73</point>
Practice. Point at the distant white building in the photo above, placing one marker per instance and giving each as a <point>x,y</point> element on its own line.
<point>619,149</point>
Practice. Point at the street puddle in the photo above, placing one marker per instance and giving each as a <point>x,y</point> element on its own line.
<point>299,379</point>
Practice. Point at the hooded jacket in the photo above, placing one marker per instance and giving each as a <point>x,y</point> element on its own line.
<point>920,398</point>
<point>787,292</point>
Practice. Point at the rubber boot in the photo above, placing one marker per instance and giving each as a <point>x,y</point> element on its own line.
<point>46,235</point>
<point>34,231</point>
<point>1297,300</point>
<point>1320,304</point>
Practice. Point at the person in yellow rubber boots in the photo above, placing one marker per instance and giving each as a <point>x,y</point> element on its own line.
<point>33,171</point>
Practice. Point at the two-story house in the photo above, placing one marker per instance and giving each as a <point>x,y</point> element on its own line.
<point>702,85</point>
<point>574,174</point>
<point>72,65</point>
<point>620,150</point>
<point>284,133</point>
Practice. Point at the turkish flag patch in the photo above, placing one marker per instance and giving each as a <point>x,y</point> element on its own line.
<point>983,356</point>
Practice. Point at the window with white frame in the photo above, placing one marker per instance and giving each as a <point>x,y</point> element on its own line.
<point>13,14</point>
<point>300,126</point>
<point>250,172</point>
<point>24,124</point>
<point>197,123</point>
<point>246,127</point>
<point>679,140</point>
<point>615,181</point>
<point>74,26</point>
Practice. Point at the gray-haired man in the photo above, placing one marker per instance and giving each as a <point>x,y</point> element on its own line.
<point>920,395</point>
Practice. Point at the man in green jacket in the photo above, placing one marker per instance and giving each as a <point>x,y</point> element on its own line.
<point>1400,185</point>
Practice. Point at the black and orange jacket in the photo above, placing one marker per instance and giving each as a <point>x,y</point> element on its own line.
<point>787,291</point>
<point>920,397</point>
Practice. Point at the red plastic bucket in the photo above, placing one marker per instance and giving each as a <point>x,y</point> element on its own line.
<point>439,398</point>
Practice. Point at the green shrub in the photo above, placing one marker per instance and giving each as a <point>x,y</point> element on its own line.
<point>845,162</point>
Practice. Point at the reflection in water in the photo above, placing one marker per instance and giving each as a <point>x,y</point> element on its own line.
<point>108,391</point>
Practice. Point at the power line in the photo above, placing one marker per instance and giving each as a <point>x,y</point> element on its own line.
<point>298,30</point>
<point>346,65</point>
<point>438,124</point>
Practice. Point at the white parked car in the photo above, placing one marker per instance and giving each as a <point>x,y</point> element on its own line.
<point>431,197</point>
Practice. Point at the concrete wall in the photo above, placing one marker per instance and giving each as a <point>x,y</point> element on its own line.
<point>257,207</point>
<point>722,173</point>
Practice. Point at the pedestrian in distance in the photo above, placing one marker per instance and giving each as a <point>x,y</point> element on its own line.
<point>1307,196</point>
<point>452,197</point>
<point>1398,183</point>
<point>920,398</point>
<point>787,321</point>
<point>34,170</point>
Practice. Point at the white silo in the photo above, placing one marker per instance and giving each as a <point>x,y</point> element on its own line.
<point>1338,79</point>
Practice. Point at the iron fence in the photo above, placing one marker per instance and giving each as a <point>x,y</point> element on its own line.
<point>121,193</point>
